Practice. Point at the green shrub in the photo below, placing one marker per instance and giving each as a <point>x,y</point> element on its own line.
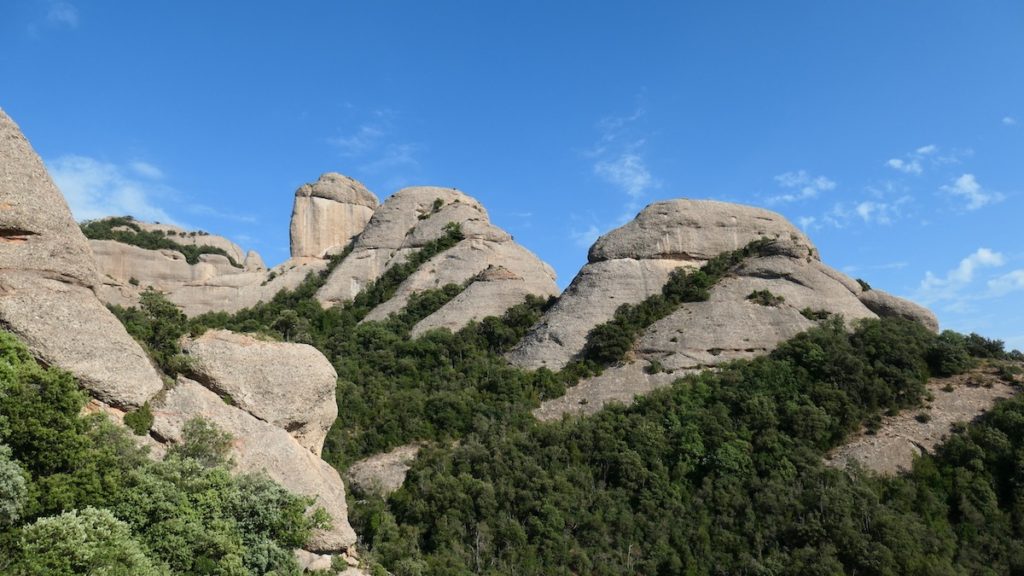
<point>765,298</point>
<point>140,420</point>
<point>149,239</point>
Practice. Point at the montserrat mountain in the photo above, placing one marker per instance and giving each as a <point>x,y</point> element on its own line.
<point>278,399</point>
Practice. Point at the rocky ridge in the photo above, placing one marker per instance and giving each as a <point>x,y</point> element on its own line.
<point>48,298</point>
<point>767,299</point>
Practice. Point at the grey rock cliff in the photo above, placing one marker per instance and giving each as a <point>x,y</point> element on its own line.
<point>47,281</point>
<point>328,214</point>
<point>288,385</point>
<point>634,261</point>
<point>497,272</point>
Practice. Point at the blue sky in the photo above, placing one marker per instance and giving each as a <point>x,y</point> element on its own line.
<point>892,132</point>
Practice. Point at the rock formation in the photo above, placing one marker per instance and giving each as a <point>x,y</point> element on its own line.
<point>411,218</point>
<point>260,446</point>
<point>328,214</point>
<point>47,281</point>
<point>284,392</point>
<point>288,385</point>
<point>633,262</point>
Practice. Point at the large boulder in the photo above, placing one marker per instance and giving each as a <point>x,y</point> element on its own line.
<point>887,305</point>
<point>47,283</point>
<point>288,385</point>
<point>195,238</point>
<point>634,261</point>
<point>328,214</point>
<point>261,447</point>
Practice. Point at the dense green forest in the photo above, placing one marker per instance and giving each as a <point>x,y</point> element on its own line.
<point>124,229</point>
<point>78,497</point>
<point>721,473</point>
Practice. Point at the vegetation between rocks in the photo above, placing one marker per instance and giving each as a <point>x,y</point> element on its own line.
<point>78,497</point>
<point>125,230</point>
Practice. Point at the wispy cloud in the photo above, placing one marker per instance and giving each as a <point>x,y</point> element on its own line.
<point>800,186</point>
<point>1009,121</point>
<point>629,172</point>
<point>912,162</point>
<point>95,189</point>
<point>376,150</point>
<point>875,212</point>
<point>146,170</point>
<point>619,158</point>
<point>966,186</point>
<point>1007,283</point>
<point>949,287</point>
<point>63,14</point>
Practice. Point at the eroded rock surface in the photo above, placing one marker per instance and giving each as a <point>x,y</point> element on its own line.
<point>634,261</point>
<point>382,473</point>
<point>901,438</point>
<point>328,214</point>
<point>47,281</point>
<point>888,305</point>
<point>288,385</point>
<point>497,272</point>
<point>764,301</point>
<point>260,446</point>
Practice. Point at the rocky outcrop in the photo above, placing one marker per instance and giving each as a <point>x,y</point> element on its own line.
<point>47,281</point>
<point>288,385</point>
<point>328,214</point>
<point>634,261</point>
<point>210,285</point>
<point>382,473</point>
<point>261,447</point>
<point>900,438</point>
<point>730,325</point>
<point>887,305</point>
<point>767,299</point>
<point>254,262</point>
<point>195,238</point>
<point>497,272</point>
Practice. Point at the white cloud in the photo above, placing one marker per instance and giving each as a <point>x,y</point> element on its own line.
<point>967,186</point>
<point>913,162</point>
<point>146,170</point>
<point>905,166</point>
<point>1007,283</point>
<point>934,288</point>
<point>803,186</point>
<point>63,13</point>
<point>95,189</point>
<point>807,222</point>
<point>1009,121</point>
<point>874,212</point>
<point>628,171</point>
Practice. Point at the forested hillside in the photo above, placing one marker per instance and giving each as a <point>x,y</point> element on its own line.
<point>77,496</point>
<point>721,473</point>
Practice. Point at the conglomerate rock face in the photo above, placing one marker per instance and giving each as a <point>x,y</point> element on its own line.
<point>633,262</point>
<point>328,214</point>
<point>412,218</point>
<point>288,385</point>
<point>47,281</point>
<point>767,299</point>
